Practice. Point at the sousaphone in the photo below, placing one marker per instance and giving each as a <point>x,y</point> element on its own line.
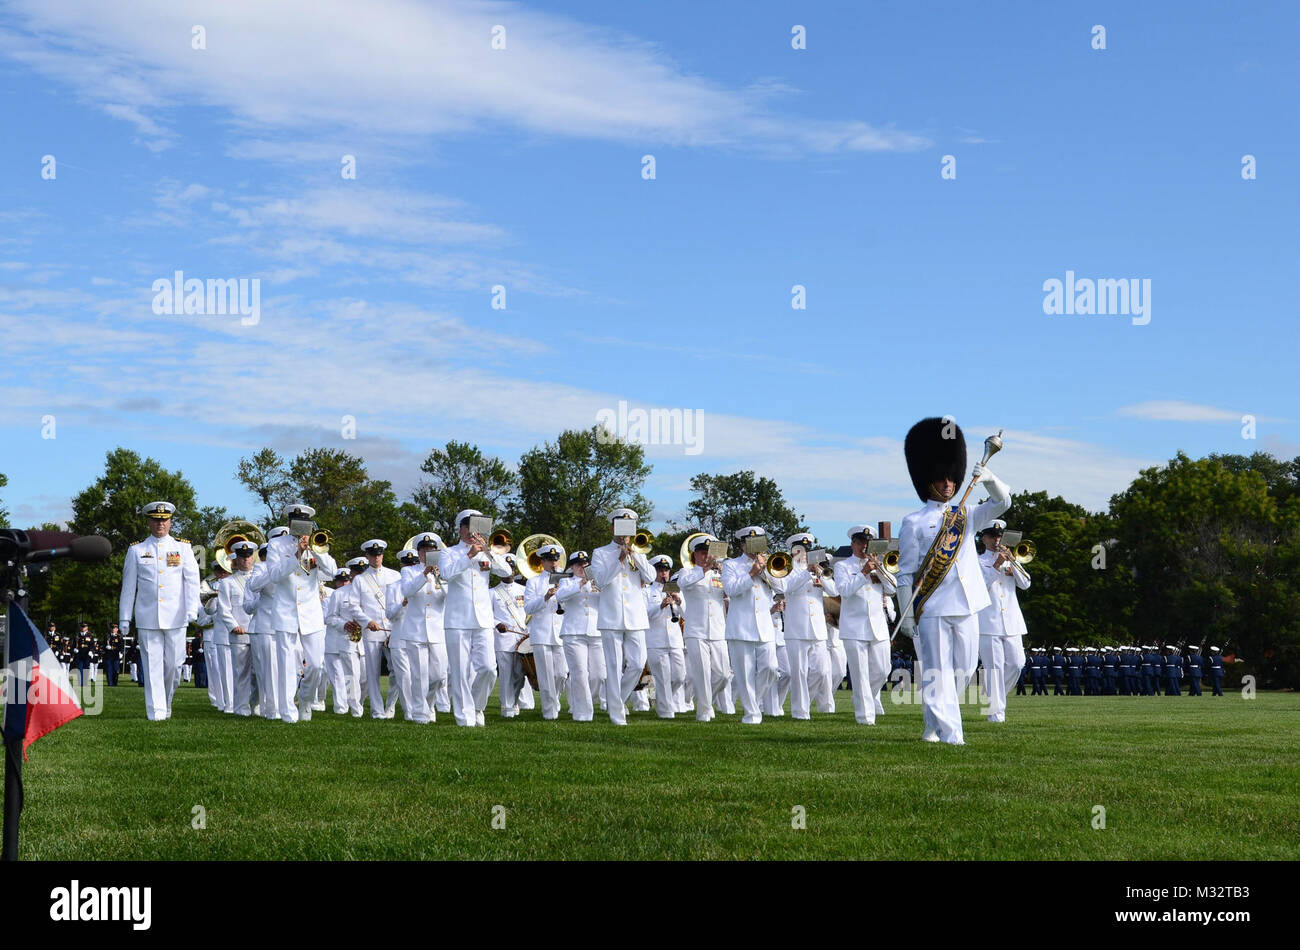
<point>230,534</point>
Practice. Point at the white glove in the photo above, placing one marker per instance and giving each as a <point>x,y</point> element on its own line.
<point>982,475</point>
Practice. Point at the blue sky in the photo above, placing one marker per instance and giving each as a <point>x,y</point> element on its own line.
<point>522,167</point>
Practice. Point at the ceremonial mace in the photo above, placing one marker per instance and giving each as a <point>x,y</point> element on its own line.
<point>992,445</point>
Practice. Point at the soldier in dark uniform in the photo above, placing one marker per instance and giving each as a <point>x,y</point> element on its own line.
<point>1024,675</point>
<point>83,654</point>
<point>113,656</point>
<point>1145,669</point>
<point>133,659</point>
<point>199,660</point>
<point>1192,669</point>
<point>1092,670</point>
<point>1173,672</point>
<point>1109,671</point>
<point>1127,672</point>
<point>1039,671</point>
<point>1075,670</point>
<point>1216,671</point>
<point>1058,671</point>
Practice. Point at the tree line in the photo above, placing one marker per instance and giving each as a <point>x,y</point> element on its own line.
<point>1194,551</point>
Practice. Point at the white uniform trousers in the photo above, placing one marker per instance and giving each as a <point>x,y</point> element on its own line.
<point>472,670</point>
<point>510,682</point>
<point>878,665</point>
<point>224,660</point>
<point>1004,659</point>
<point>313,674</point>
<point>802,678</point>
<point>288,658</point>
<point>753,666</point>
<point>639,701</point>
<point>344,672</point>
<point>857,653</point>
<point>821,689</point>
<point>399,675</point>
<point>622,648</point>
<point>216,682</point>
<point>161,653</point>
<point>551,672</point>
<point>582,655</point>
<point>375,650</point>
<point>239,675</point>
<point>437,697</point>
<point>839,662</point>
<point>948,650</point>
<point>706,664</point>
<point>415,680</point>
<point>668,667</point>
<point>265,670</point>
<point>774,699</point>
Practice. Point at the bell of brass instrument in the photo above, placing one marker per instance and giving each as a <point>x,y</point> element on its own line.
<point>530,565</point>
<point>890,561</point>
<point>684,555</point>
<point>320,542</point>
<point>642,542</point>
<point>230,534</point>
<point>500,542</point>
<point>779,565</point>
<point>1024,552</point>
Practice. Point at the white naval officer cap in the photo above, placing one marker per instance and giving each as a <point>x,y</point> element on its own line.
<point>546,549</point>
<point>623,513</point>
<point>425,538</point>
<point>861,529</point>
<point>753,531</point>
<point>342,573</point>
<point>1192,646</point>
<point>276,532</point>
<point>702,541</point>
<point>803,538</point>
<point>1071,649</point>
<point>244,548</point>
<point>577,556</point>
<point>358,563</point>
<point>299,509</point>
<point>407,556</point>
<point>158,509</point>
<point>997,524</point>
<point>375,546</point>
<point>467,513</point>
<point>1214,649</point>
<point>662,560</point>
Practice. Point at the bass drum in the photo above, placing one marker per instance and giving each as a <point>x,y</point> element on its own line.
<point>528,662</point>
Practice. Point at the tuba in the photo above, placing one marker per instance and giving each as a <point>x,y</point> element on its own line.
<point>230,534</point>
<point>530,565</point>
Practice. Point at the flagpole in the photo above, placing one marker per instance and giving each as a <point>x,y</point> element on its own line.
<point>13,797</point>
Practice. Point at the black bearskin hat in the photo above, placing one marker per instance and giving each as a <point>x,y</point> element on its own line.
<point>931,457</point>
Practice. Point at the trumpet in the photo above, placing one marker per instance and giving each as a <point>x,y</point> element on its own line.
<point>642,542</point>
<point>500,542</point>
<point>1019,556</point>
<point>779,565</point>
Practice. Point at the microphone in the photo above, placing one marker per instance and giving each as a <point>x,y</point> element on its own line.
<point>90,548</point>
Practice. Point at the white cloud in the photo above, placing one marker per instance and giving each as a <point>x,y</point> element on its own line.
<point>1173,410</point>
<point>400,68</point>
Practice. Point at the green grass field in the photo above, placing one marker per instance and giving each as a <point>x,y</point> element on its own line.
<point>1189,778</point>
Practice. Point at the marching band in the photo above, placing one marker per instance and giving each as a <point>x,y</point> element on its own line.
<point>734,621</point>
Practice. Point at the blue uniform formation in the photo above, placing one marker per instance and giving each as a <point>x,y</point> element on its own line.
<point>1121,671</point>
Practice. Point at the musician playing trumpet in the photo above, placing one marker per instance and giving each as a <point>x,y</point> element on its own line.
<point>664,647</point>
<point>805,619</point>
<point>866,610</point>
<point>620,573</point>
<point>1002,625</point>
<point>705,610</point>
<point>751,637</point>
<point>544,627</point>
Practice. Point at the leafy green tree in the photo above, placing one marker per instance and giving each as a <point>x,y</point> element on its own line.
<point>723,504</point>
<point>4,515</point>
<point>349,504</point>
<point>568,487</point>
<point>1282,477</point>
<point>460,477</point>
<point>267,478</point>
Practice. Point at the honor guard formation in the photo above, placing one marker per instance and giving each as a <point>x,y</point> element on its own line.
<point>735,621</point>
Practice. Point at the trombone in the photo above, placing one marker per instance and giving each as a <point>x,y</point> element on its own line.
<point>500,542</point>
<point>779,565</point>
<point>642,542</point>
<point>1019,553</point>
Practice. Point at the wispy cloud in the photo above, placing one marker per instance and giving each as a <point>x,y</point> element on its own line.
<point>1173,410</point>
<point>399,68</point>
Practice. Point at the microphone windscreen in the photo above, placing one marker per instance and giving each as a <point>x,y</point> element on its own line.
<point>92,548</point>
<point>47,540</point>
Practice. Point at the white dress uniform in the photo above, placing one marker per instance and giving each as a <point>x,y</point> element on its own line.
<point>342,654</point>
<point>508,609</point>
<point>261,645</point>
<point>622,621</point>
<point>832,664</point>
<point>545,634</point>
<point>369,602</point>
<point>583,651</point>
<point>751,639</point>
<point>707,663</point>
<point>665,652</point>
<point>419,630</point>
<point>948,630</point>
<point>865,611</point>
<point>805,629</point>
<point>773,701</point>
<point>237,661</point>
<point>160,595</point>
<point>216,651</point>
<point>468,621</point>
<point>1002,628</point>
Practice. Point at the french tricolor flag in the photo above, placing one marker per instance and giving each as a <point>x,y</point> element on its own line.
<point>37,695</point>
